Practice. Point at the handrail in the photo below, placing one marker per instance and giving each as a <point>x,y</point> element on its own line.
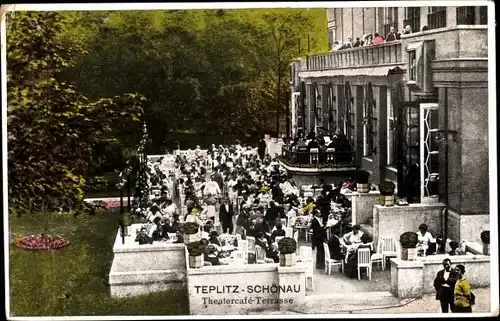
<point>386,53</point>
<point>336,158</point>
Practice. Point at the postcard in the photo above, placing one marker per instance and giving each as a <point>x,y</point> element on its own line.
<point>242,160</point>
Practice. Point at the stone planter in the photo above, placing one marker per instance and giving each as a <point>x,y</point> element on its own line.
<point>196,262</point>
<point>486,249</point>
<point>408,254</point>
<point>288,259</point>
<point>388,200</point>
<point>190,238</point>
<point>362,188</point>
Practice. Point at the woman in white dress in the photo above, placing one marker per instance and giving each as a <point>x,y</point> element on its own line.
<point>424,239</point>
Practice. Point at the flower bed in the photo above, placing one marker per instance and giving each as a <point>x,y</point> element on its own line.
<point>41,242</point>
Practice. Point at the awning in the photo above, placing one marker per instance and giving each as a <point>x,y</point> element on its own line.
<point>349,72</point>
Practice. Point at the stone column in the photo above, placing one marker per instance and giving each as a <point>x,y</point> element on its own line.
<point>407,278</point>
<point>291,280</point>
<point>381,142</point>
<point>358,124</point>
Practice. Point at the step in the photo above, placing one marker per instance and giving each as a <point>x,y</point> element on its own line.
<point>348,302</point>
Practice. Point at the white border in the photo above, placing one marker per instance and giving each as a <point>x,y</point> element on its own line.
<point>494,287</point>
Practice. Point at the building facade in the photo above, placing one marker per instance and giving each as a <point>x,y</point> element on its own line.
<point>418,105</point>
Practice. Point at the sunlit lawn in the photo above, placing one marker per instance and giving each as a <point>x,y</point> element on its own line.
<point>73,280</point>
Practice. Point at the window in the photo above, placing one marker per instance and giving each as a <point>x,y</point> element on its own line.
<point>436,17</point>
<point>466,15</point>
<point>412,66</point>
<point>390,20</point>
<point>391,132</point>
<point>330,37</point>
<point>483,15</point>
<point>412,18</point>
<point>368,125</point>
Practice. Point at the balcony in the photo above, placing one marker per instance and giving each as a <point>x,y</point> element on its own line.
<point>385,54</point>
<point>302,158</point>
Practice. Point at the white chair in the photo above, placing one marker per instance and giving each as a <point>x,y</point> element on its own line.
<point>306,253</point>
<point>309,273</point>
<point>278,238</point>
<point>329,262</point>
<point>389,249</point>
<point>250,245</point>
<point>314,155</point>
<point>288,231</point>
<point>330,156</point>
<point>364,261</point>
<point>172,237</point>
<point>260,256</point>
<point>378,257</point>
<point>296,238</point>
<point>309,234</point>
<point>283,222</point>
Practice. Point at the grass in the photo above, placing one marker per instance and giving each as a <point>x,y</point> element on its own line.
<point>39,279</point>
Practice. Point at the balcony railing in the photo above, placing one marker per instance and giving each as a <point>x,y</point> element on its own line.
<point>387,53</point>
<point>303,157</point>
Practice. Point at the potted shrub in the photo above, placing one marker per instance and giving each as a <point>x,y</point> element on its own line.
<point>409,241</point>
<point>196,251</point>
<point>287,248</point>
<point>387,193</point>
<point>362,178</point>
<point>485,238</point>
<point>125,221</point>
<point>191,232</point>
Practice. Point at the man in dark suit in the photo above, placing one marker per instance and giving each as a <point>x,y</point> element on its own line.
<point>444,283</point>
<point>317,239</point>
<point>272,214</point>
<point>226,213</point>
<point>261,149</point>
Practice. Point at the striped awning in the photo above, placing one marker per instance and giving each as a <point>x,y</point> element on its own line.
<point>349,72</point>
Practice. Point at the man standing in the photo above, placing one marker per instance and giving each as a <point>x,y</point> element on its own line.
<point>317,239</point>
<point>226,213</point>
<point>444,283</point>
<point>392,35</point>
<point>261,149</point>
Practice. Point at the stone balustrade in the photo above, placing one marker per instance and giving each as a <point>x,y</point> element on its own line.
<point>388,53</point>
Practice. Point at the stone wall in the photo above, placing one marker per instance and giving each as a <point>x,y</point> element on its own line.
<point>412,279</point>
<point>392,221</point>
<point>236,290</point>
<point>139,269</point>
<point>362,206</point>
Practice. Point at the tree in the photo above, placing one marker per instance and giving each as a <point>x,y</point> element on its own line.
<point>53,130</point>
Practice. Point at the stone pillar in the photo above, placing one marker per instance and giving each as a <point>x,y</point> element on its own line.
<point>291,279</point>
<point>325,110</point>
<point>307,109</point>
<point>340,107</point>
<point>381,142</point>
<point>358,123</point>
<point>407,278</point>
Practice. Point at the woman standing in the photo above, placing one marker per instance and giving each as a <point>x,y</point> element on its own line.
<point>462,291</point>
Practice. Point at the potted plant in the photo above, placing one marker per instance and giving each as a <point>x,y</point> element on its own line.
<point>362,177</point>
<point>387,193</point>
<point>125,221</point>
<point>485,238</point>
<point>287,248</point>
<point>196,250</point>
<point>191,232</point>
<point>409,241</point>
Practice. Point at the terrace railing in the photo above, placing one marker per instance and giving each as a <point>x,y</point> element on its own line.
<point>387,53</point>
<point>324,157</point>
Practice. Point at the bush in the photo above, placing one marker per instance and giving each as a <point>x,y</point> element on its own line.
<point>287,245</point>
<point>191,228</point>
<point>408,240</point>
<point>362,176</point>
<point>196,248</point>
<point>485,237</point>
<point>125,219</point>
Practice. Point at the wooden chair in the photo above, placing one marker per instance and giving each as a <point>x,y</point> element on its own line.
<point>306,253</point>
<point>388,249</point>
<point>364,261</point>
<point>329,262</point>
<point>378,257</point>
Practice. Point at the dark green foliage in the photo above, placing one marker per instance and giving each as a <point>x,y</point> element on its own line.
<point>386,188</point>
<point>362,176</point>
<point>125,219</point>
<point>55,134</point>
<point>196,248</point>
<point>287,245</point>
<point>191,228</point>
<point>408,240</point>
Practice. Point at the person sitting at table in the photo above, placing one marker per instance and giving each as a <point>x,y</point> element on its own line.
<point>424,241</point>
<point>154,212</point>
<point>261,241</point>
<point>277,232</point>
<point>214,238</point>
<point>205,234</point>
<point>351,266</point>
<point>252,231</point>
<point>159,230</point>
<point>143,237</point>
<point>353,237</point>
<point>309,207</point>
<point>240,229</point>
<point>168,207</point>
<point>273,253</point>
<point>335,248</point>
<point>212,255</point>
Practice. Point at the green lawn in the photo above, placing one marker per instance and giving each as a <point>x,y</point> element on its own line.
<point>39,278</point>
